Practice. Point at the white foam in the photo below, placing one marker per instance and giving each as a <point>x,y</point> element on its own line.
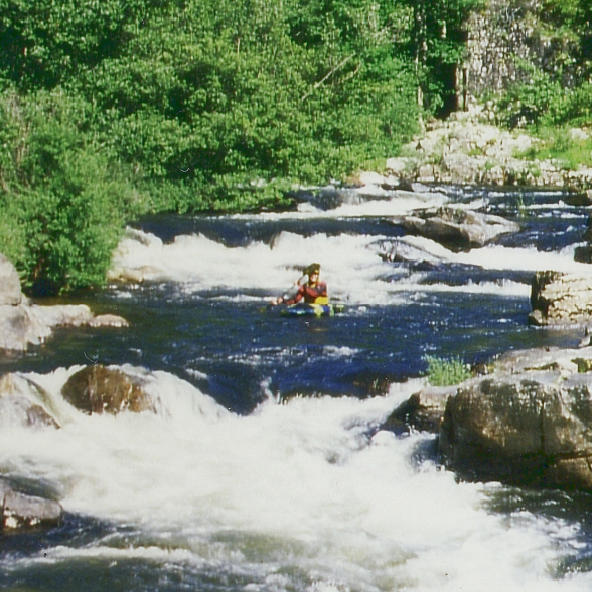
<point>297,484</point>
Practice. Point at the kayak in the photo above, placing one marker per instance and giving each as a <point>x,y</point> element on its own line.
<point>318,310</point>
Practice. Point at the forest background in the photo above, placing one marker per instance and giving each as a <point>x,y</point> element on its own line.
<point>114,109</point>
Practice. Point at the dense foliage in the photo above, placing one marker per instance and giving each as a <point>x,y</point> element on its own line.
<point>113,108</point>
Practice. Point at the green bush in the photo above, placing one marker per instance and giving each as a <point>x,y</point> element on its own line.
<point>527,102</point>
<point>66,205</point>
<point>446,371</point>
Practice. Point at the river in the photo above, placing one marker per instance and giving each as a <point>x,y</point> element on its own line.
<point>264,468</point>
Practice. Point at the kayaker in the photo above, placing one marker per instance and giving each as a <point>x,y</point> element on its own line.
<point>312,291</point>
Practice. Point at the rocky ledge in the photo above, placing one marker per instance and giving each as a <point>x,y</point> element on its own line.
<point>23,323</point>
<point>21,511</point>
<point>526,421</point>
<point>561,299</point>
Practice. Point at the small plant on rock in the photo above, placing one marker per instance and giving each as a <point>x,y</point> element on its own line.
<point>446,371</point>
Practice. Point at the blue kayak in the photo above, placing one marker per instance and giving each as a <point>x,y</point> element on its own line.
<point>317,310</point>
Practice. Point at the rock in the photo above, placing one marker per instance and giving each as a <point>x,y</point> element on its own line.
<point>457,228</point>
<point>97,389</point>
<point>467,148</point>
<point>23,324</point>
<point>20,327</point>
<point>423,411</point>
<point>400,166</point>
<point>10,286</point>
<point>583,254</point>
<point>371,178</point>
<point>579,199</point>
<point>24,403</point>
<point>531,428</point>
<point>560,299</point>
<point>18,411</point>
<point>22,511</point>
<point>525,421</point>
<point>108,320</point>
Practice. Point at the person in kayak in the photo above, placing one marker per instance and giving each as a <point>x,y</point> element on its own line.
<point>312,292</point>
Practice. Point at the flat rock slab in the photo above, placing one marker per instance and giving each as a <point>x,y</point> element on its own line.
<point>21,511</point>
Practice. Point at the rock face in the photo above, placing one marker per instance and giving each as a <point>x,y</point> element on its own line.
<point>22,511</point>
<point>522,429</point>
<point>527,423</point>
<point>561,299</point>
<point>457,228</point>
<point>423,411</point>
<point>97,389</point>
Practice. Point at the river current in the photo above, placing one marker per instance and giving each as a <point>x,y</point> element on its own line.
<point>264,468</point>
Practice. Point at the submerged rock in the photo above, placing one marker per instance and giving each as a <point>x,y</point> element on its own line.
<point>97,389</point>
<point>457,228</point>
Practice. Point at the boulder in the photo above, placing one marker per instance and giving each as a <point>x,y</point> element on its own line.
<point>19,328</point>
<point>10,286</point>
<point>525,420</point>
<point>23,324</point>
<point>22,511</point>
<point>402,250</point>
<point>24,403</point>
<point>561,298</point>
<point>532,428</point>
<point>31,324</point>
<point>456,228</point>
<point>423,411</point>
<point>583,254</point>
<point>98,389</point>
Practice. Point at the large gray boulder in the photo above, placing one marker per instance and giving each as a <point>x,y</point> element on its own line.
<point>529,422</point>
<point>456,228</point>
<point>561,299</point>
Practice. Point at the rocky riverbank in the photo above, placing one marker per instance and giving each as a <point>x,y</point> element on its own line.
<point>467,149</point>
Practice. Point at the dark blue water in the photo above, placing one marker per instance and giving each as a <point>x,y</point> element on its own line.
<point>241,346</point>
